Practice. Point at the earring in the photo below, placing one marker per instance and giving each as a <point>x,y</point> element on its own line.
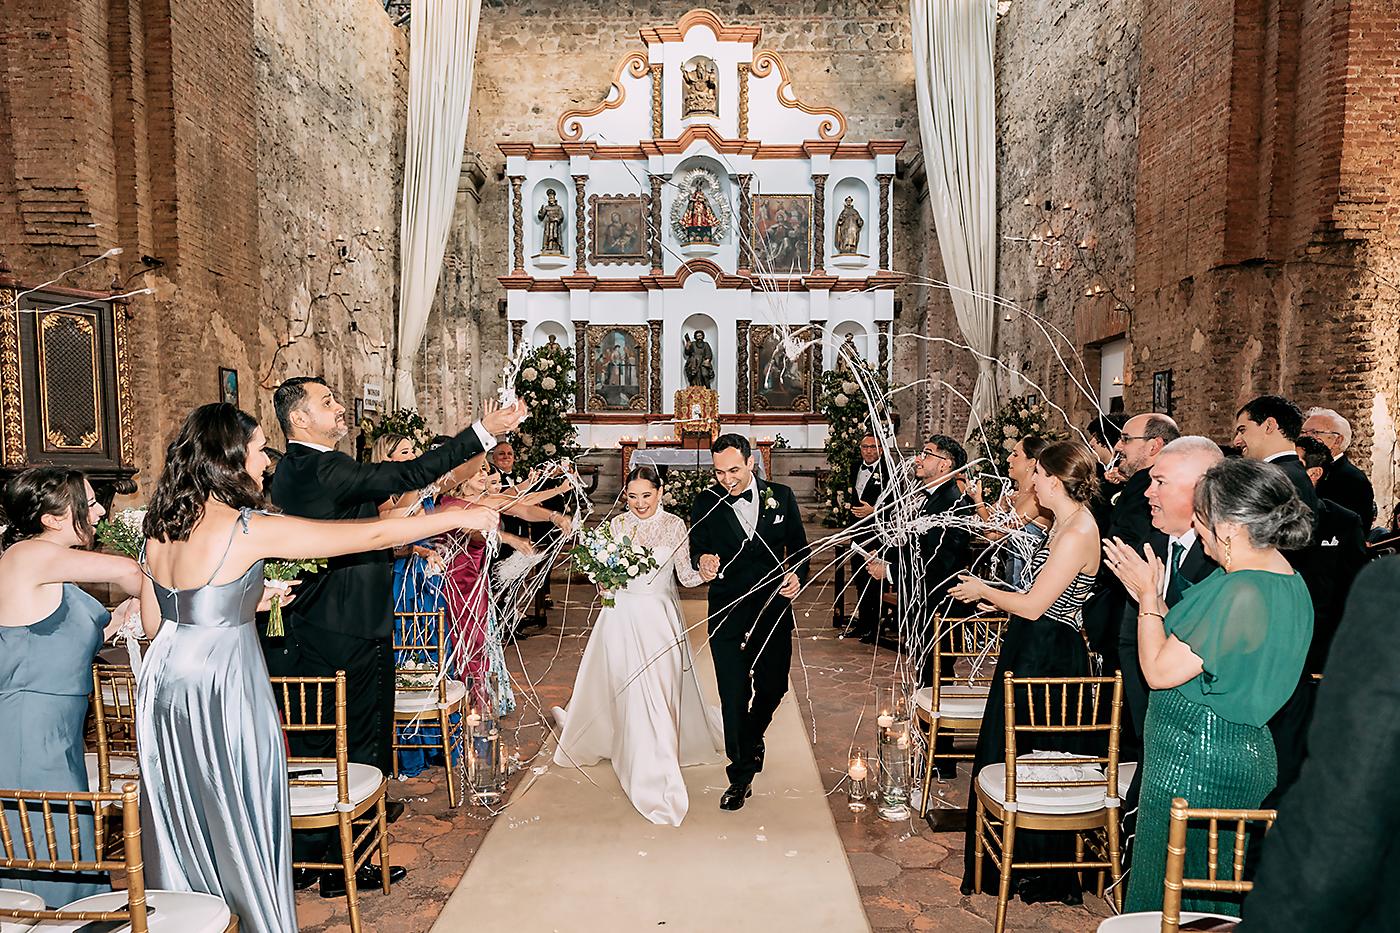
<point>1227,554</point>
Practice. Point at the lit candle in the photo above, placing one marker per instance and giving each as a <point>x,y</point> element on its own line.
<point>858,771</point>
<point>885,721</point>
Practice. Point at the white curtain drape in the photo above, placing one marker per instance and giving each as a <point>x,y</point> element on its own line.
<point>954,50</point>
<point>441,54</point>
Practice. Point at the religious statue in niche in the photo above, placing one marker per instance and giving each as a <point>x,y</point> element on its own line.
<point>699,215</point>
<point>551,214</point>
<point>700,88</point>
<point>849,223</point>
<point>699,361</point>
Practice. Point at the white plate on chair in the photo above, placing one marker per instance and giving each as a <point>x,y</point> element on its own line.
<point>171,912</point>
<point>18,900</point>
<point>1151,921</point>
<point>124,771</point>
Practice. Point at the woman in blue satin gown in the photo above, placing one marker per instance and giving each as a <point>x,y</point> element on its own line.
<point>49,632</point>
<point>216,805</point>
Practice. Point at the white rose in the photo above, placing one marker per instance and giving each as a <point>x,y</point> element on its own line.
<point>546,363</point>
<point>850,388</point>
<point>526,439</point>
<point>1012,431</point>
<point>528,374</point>
<point>549,450</point>
<point>548,383</point>
<point>840,400</point>
<point>1025,414</point>
<point>632,570</point>
<point>612,548</point>
<point>1008,445</point>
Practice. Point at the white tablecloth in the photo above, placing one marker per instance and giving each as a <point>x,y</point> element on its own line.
<point>676,459</point>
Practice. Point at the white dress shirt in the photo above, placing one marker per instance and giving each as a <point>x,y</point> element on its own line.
<point>321,447</point>
<point>1185,541</point>
<point>747,510</point>
<point>863,475</point>
<point>1282,453</point>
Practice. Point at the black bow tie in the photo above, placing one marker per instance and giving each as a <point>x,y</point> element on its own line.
<point>746,495</point>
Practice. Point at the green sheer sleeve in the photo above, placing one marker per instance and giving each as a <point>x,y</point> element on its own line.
<point>1251,630</point>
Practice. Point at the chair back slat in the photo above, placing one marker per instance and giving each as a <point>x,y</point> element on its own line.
<point>304,710</point>
<point>974,640</point>
<point>420,653</point>
<point>1175,883</point>
<point>1071,706</point>
<point>32,807</point>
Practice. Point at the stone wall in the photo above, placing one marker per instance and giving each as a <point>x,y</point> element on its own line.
<point>1067,101</point>
<point>332,98</point>
<point>227,141</point>
<point>538,58</point>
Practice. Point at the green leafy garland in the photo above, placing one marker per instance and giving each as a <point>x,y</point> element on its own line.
<point>546,384</point>
<point>405,422</point>
<point>845,408</point>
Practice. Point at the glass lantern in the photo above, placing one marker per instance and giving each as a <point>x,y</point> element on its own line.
<point>894,768</point>
<point>858,780</point>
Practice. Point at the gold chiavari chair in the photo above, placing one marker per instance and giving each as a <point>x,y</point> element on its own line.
<point>114,761</point>
<point>333,793</point>
<point>423,692</point>
<point>1078,793</point>
<point>27,826</point>
<point>1171,916</point>
<point>953,705</point>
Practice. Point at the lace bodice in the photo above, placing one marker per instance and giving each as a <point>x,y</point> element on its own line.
<point>669,541</point>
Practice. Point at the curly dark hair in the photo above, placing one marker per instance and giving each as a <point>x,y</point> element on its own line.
<point>207,460</point>
<point>40,491</point>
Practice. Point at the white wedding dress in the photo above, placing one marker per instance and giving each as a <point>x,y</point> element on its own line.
<point>637,699</point>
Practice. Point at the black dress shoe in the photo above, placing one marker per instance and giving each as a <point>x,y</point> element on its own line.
<point>393,809</point>
<point>303,878</point>
<point>734,797</point>
<point>333,881</point>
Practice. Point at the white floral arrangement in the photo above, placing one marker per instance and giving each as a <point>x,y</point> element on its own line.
<point>1017,418</point>
<point>545,381</point>
<point>682,486</point>
<point>609,562</point>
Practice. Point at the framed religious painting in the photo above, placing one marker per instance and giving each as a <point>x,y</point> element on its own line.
<point>619,366</point>
<point>782,239</point>
<point>617,229</point>
<point>1162,392</point>
<point>777,383</point>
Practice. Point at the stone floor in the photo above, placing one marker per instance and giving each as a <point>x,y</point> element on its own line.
<point>908,875</point>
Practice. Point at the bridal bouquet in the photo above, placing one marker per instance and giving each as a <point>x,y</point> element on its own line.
<point>122,534</point>
<point>279,571</point>
<point>608,562</point>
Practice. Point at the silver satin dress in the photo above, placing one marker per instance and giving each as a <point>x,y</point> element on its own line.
<point>215,813</point>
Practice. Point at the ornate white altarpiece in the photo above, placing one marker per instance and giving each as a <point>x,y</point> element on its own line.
<point>672,226</point>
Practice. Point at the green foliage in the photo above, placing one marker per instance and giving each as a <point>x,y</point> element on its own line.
<point>404,422</point>
<point>844,404</point>
<point>682,486</point>
<point>1015,419</point>
<point>121,534</point>
<point>546,384</point>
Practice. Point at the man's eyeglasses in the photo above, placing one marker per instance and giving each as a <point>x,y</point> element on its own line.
<point>1316,433</point>
<point>936,454</point>
<point>1133,437</point>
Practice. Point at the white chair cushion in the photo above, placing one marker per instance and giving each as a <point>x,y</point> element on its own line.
<point>1050,800</point>
<point>112,691</point>
<point>172,912</point>
<point>957,701</point>
<point>124,771</point>
<point>1150,921</point>
<point>364,780</point>
<point>421,701</point>
<point>18,900</point>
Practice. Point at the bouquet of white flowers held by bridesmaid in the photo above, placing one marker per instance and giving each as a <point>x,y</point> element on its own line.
<point>608,562</point>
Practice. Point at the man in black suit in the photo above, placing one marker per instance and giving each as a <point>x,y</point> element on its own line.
<point>342,619</point>
<point>1130,520</point>
<point>1331,863</point>
<point>1171,497</point>
<point>1343,483</point>
<point>747,540</point>
<point>863,490</point>
<point>922,570</point>
<point>1341,544</point>
<point>1267,429</point>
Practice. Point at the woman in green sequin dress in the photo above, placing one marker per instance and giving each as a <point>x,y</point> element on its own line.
<point>1220,664</point>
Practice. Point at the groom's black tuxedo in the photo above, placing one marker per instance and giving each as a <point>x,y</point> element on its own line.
<point>750,625</point>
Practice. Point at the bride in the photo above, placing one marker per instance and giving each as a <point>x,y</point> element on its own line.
<point>637,700</point>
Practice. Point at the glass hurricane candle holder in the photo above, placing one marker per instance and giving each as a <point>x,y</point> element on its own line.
<point>858,781</point>
<point>894,769</point>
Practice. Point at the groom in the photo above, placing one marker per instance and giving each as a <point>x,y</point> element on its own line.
<point>748,540</point>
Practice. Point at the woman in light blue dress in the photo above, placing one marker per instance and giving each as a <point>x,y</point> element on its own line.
<point>216,810</point>
<point>49,632</point>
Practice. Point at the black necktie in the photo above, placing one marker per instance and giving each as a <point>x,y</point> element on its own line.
<point>746,495</point>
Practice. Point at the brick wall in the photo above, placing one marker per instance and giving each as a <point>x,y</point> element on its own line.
<point>226,141</point>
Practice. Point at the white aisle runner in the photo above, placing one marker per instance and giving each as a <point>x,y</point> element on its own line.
<point>570,857</point>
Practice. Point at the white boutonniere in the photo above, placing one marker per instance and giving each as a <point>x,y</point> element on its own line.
<point>769,502</point>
